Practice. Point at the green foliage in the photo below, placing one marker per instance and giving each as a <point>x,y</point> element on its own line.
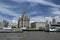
<point>13,26</point>
<point>41,28</point>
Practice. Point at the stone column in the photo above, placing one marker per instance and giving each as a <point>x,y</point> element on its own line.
<point>20,23</point>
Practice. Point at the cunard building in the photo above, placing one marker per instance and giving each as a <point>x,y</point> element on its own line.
<point>23,21</point>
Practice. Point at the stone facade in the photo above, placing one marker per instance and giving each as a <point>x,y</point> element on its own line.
<point>23,21</point>
<point>38,25</point>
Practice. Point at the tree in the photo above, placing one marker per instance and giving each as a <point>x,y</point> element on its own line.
<point>41,28</point>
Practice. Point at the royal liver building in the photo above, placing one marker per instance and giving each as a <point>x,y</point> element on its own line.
<point>23,21</point>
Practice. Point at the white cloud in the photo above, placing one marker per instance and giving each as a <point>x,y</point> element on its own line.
<point>38,19</point>
<point>33,4</point>
<point>57,18</point>
<point>18,0</point>
<point>34,12</point>
<point>3,18</point>
<point>48,18</point>
<point>4,10</point>
<point>55,11</point>
<point>8,6</point>
<point>8,12</point>
<point>3,5</point>
<point>43,19</point>
<point>14,20</point>
<point>44,2</point>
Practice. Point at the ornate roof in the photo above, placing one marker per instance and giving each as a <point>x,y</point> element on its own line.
<point>24,16</point>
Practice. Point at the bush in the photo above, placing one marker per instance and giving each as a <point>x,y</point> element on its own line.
<point>41,28</point>
<point>13,26</point>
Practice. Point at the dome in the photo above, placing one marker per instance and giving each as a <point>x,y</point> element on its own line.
<point>24,16</point>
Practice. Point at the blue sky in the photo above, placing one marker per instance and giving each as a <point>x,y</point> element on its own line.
<point>37,10</point>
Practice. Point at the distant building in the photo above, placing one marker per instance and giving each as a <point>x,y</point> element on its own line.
<point>57,26</point>
<point>53,21</point>
<point>13,25</point>
<point>6,23</point>
<point>23,21</point>
<point>58,22</point>
<point>38,25</point>
<point>47,25</point>
<point>54,24</point>
<point>33,25</point>
<point>1,25</point>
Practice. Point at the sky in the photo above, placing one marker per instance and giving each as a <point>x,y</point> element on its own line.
<point>37,10</point>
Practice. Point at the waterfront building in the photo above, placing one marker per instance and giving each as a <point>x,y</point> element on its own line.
<point>47,25</point>
<point>54,21</point>
<point>33,25</point>
<point>58,22</point>
<point>23,21</point>
<point>38,25</point>
<point>54,25</point>
<point>6,23</point>
<point>1,25</point>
